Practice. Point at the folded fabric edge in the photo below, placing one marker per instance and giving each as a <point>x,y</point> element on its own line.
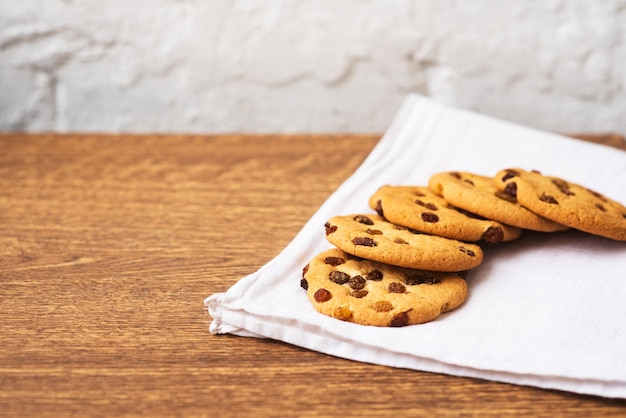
<point>239,323</point>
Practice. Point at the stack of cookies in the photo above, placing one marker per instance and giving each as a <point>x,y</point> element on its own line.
<point>405,264</point>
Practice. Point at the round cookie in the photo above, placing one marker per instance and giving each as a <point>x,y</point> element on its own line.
<point>564,202</point>
<point>374,238</point>
<point>479,194</point>
<point>371,293</point>
<point>421,209</point>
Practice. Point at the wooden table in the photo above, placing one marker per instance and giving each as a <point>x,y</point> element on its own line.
<point>108,246</point>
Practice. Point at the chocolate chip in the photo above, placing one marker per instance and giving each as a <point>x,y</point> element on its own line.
<point>304,284</point>
<point>493,234</point>
<point>357,282</point>
<point>467,251</point>
<point>339,277</point>
<point>305,269</point>
<point>379,208</point>
<point>563,186</point>
<point>364,241</point>
<point>401,319</point>
<point>396,287</point>
<point>359,293</point>
<point>430,217</point>
<point>548,199</point>
<point>601,207</point>
<point>505,196</point>
<point>456,175</point>
<point>509,174</point>
<point>400,241</point>
<point>373,231</point>
<point>468,181</point>
<point>511,189</point>
<point>427,205</point>
<point>419,193</point>
<point>420,277</point>
<point>363,219</point>
<point>334,261</point>
<point>374,275</point>
<point>322,295</point>
<point>330,228</point>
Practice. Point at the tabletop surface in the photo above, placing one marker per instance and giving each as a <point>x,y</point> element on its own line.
<point>109,245</point>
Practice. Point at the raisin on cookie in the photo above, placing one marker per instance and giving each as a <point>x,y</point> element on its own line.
<point>374,238</point>
<point>565,202</point>
<point>372,293</point>
<point>421,209</point>
<point>478,194</point>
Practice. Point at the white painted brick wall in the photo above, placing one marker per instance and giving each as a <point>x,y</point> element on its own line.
<point>309,65</point>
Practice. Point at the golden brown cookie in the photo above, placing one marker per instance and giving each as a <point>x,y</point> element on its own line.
<point>374,238</point>
<point>421,209</point>
<point>565,202</point>
<point>371,293</point>
<point>478,194</point>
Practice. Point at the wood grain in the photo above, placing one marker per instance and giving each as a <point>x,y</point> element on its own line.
<point>108,246</point>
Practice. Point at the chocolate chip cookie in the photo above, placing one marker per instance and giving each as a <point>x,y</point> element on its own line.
<point>478,194</point>
<point>372,293</point>
<point>421,209</point>
<point>565,202</point>
<point>375,238</point>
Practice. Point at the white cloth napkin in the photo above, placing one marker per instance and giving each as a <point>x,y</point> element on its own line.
<point>547,310</point>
